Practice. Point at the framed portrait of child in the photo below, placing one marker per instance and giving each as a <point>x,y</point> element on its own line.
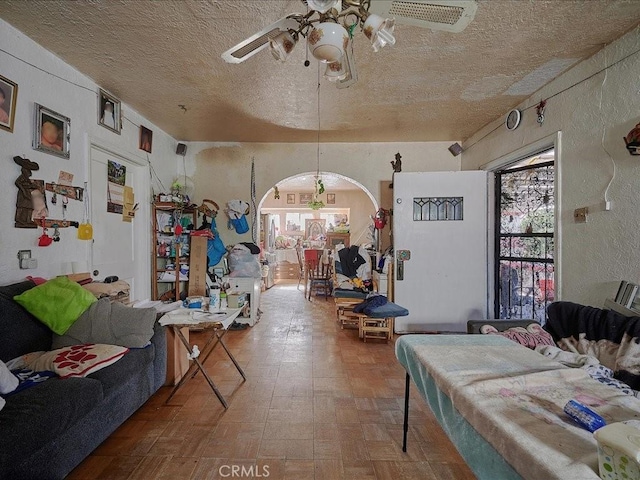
<point>51,132</point>
<point>8,97</point>
<point>109,112</point>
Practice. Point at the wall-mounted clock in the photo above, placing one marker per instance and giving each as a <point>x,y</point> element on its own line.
<point>513,119</point>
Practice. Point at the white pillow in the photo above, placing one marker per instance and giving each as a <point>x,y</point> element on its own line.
<point>8,381</point>
<point>2,403</point>
<point>77,360</point>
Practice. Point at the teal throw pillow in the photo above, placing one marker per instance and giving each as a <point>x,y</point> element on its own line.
<point>57,303</point>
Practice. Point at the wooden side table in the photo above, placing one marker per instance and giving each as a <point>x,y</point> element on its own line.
<point>375,328</point>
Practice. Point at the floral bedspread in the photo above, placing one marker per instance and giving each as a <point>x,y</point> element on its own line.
<point>514,398</point>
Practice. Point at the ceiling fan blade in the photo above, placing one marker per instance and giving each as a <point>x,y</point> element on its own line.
<point>260,40</point>
<point>446,15</point>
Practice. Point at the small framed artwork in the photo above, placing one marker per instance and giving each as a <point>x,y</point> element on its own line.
<point>305,198</point>
<point>51,132</point>
<point>8,98</point>
<point>331,198</point>
<point>291,198</point>
<point>146,139</point>
<point>109,112</point>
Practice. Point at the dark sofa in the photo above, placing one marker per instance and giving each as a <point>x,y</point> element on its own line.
<point>48,429</point>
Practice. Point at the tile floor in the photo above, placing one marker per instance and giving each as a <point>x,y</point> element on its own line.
<point>318,403</point>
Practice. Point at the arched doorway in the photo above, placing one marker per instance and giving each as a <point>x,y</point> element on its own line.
<point>289,220</point>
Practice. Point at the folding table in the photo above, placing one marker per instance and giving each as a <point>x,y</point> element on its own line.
<point>217,323</point>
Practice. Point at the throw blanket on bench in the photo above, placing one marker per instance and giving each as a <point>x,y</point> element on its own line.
<point>610,337</point>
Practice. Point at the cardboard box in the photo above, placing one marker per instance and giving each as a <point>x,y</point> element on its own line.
<point>198,266</point>
<point>177,361</point>
<point>236,300</point>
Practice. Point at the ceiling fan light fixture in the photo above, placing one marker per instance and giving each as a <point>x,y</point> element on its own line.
<point>282,45</point>
<point>323,6</point>
<point>327,42</point>
<point>336,71</point>
<point>379,31</point>
<point>328,26</point>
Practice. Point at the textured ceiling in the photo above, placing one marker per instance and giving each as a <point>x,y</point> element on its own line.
<point>157,55</point>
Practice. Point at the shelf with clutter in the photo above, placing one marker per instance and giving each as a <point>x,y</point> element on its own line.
<point>172,226</point>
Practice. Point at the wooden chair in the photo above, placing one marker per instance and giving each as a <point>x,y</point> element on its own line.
<point>320,277</point>
<point>309,255</point>
<point>300,254</point>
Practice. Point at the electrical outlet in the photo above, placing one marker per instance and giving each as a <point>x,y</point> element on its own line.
<point>27,263</point>
<point>580,215</point>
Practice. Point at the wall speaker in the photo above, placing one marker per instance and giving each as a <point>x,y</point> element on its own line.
<point>181,149</point>
<point>455,149</point>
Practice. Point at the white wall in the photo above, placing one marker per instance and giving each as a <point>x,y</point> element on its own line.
<point>80,105</point>
<point>223,171</point>
<point>595,256</point>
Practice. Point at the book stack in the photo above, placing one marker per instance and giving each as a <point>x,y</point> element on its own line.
<point>627,295</point>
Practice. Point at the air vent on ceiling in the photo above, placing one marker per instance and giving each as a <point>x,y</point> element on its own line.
<point>427,12</point>
<point>446,15</point>
<point>254,45</point>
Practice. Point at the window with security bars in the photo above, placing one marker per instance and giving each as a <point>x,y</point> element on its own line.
<point>429,209</point>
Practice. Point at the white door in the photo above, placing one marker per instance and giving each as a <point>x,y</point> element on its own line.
<point>120,248</point>
<point>440,218</point>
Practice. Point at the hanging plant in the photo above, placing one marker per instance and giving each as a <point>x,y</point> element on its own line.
<point>316,203</point>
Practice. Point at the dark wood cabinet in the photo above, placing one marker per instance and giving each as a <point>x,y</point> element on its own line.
<point>334,239</point>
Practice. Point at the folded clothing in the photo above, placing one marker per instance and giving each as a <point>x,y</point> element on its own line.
<point>372,302</point>
<point>349,293</point>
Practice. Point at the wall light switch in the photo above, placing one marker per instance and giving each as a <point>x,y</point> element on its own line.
<point>580,215</point>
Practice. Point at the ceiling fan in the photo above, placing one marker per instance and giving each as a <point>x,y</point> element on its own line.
<point>329,27</point>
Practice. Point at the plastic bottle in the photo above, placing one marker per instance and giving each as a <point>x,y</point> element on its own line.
<point>214,298</point>
<point>223,300</point>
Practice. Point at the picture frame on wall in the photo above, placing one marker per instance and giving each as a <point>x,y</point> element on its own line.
<point>146,139</point>
<point>51,132</point>
<point>8,99</point>
<point>331,198</point>
<point>291,198</point>
<point>109,112</point>
<point>305,198</point>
